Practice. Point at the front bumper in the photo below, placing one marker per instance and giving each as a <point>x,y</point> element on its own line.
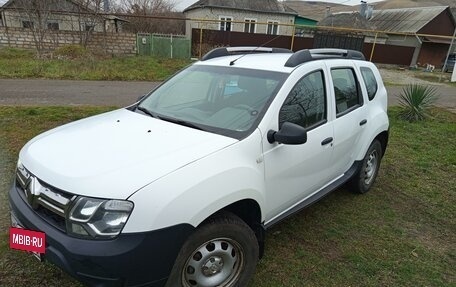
<point>132,259</point>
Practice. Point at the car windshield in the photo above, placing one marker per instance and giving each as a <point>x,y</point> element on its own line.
<point>224,100</point>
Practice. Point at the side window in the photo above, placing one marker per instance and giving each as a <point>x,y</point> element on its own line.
<point>306,103</point>
<point>370,81</point>
<point>346,89</point>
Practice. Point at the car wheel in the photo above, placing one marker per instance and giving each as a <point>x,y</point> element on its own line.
<point>364,179</point>
<point>223,251</point>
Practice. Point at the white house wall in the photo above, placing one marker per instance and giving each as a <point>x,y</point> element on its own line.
<point>237,15</point>
<point>403,40</point>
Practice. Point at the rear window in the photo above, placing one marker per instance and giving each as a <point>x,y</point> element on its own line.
<point>370,81</point>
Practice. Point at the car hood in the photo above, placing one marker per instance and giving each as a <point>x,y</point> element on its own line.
<point>113,155</point>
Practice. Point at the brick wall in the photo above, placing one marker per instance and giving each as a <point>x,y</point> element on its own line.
<point>110,43</point>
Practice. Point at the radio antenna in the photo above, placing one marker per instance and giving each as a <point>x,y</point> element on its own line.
<point>253,51</point>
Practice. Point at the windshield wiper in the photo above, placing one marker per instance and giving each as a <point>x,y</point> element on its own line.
<point>169,119</point>
<point>147,112</point>
<point>182,123</point>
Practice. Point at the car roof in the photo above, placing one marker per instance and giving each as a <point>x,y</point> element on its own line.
<point>268,61</point>
<point>273,59</point>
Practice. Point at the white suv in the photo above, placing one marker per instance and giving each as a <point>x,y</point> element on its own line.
<point>179,188</point>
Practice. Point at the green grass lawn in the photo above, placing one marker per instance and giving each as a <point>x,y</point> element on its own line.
<point>401,233</point>
<point>16,63</point>
<point>435,77</point>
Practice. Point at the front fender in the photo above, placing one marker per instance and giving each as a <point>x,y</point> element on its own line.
<point>196,191</point>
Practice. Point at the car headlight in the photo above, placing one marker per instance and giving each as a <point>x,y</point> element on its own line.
<point>98,218</point>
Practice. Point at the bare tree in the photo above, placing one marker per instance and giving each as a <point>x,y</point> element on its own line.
<point>40,17</point>
<point>90,19</point>
<point>35,15</point>
<point>147,8</point>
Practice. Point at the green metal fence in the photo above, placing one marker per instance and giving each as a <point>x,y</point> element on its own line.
<point>169,46</point>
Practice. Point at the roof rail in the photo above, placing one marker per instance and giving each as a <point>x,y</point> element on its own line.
<point>308,55</point>
<point>226,51</point>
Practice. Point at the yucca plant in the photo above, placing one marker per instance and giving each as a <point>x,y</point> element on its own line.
<point>416,100</point>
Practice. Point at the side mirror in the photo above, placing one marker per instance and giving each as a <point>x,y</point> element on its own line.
<point>289,133</point>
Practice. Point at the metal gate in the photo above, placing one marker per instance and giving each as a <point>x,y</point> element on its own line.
<point>337,40</point>
<point>168,46</point>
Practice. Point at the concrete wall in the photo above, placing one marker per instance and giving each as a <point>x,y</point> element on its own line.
<point>237,15</point>
<point>110,43</point>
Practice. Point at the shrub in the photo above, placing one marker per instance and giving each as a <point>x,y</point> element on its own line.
<point>13,53</point>
<point>415,101</point>
<point>71,52</point>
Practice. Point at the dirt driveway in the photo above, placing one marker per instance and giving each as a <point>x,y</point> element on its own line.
<point>117,93</point>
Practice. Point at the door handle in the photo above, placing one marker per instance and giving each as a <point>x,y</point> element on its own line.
<point>326,141</point>
<point>363,122</point>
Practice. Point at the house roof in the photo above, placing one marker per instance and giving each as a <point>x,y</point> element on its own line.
<point>346,19</point>
<point>78,3</point>
<point>305,20</point>
<point>317,10</point>
<point>74,2</point>
<point>407,20</point>
<point>350,20</point>
<point>264,6</point>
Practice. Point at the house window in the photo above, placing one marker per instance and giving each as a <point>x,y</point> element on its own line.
<point>1,20</point>
<point>273,28</point>
<point>250,25</point>
<point>89,28</point>
<point>53,25</point>
<point>27,24</point>
<point>225,23</point>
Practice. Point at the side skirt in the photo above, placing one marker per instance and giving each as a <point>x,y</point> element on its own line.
<point>319,195</point>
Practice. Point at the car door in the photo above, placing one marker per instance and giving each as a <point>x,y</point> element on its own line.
<point>293,172</point>
<point>351,114</point>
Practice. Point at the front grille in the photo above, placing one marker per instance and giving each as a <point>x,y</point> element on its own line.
<point>48,202</point>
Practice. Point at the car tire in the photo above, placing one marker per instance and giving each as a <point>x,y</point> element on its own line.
<point>363,180</point>
<point>223,251</point>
